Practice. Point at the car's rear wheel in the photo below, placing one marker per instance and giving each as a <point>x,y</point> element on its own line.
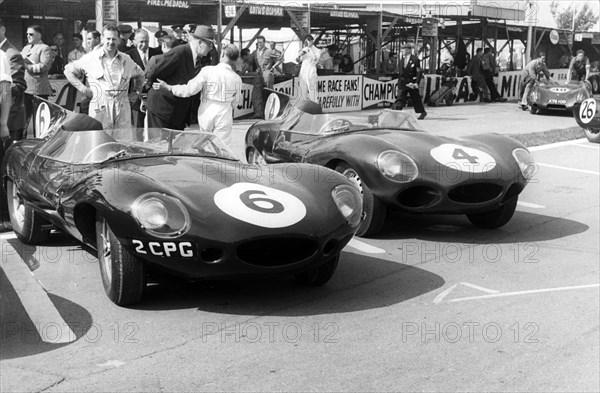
<point>27,224</point>
<point>254,157</point>
<point>592,134</point>
<point>319,275</point>
<point>374,211</point>
<point>495,218</point>
<point>123,274</point>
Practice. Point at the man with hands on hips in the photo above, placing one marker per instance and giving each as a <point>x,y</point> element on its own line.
<point>220,87</point>
<point>108,73</point>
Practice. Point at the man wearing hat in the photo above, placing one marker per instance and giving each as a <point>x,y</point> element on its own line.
<point>410,77</point>
<point>124,33</point>
<point>159,35</point>
<point>178,34</point>
<point>390,66</point>
<point>177,67</point>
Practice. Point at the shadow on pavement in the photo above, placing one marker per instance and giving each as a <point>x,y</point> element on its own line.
<point>360,283</point>
<point>18,334</point>
<point>523,227</point>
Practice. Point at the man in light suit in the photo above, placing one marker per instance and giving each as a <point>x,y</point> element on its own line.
<point>410,77</point>
<point>177,67</point>
<point>38,60</point>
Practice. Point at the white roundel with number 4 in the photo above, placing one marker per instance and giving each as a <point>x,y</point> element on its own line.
<point>259,205</point>
<point>587,111</point>
<point>462,158</point>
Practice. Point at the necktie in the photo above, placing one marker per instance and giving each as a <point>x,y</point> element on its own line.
<point>198,64</point>
<point>144,59</point>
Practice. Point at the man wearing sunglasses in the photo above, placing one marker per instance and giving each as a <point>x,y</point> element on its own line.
<point>38,60</point>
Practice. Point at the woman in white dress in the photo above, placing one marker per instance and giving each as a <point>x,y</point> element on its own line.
<point>309,56</point>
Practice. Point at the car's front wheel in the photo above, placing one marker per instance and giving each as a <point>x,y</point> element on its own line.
<point>374,210</point>
<point>592,134</point>
<point>27,224</point>
<point>123,274</point>
<point>319,275</point>
<point>495,218</point>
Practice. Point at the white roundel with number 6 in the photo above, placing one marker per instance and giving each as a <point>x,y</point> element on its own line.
<point>42,120</point>
<point>462,158</point>
<point>587,111</point>
<point>259,205</point>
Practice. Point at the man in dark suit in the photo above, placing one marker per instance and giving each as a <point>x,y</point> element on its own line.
<point>177,67</point>
<point>16,116</point>
<point>410,77</point>
<point>140,53</point>
<point>124,33</point>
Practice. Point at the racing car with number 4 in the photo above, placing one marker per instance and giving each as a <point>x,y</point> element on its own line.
<point>174,201</point>
<point>397,165</point>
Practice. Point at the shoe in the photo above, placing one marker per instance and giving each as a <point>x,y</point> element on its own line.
<point>524,107</point>
<point>423,114</point>
<point>5,226</point>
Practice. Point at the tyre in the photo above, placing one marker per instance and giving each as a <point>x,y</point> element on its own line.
<point>27,224</point>
<point>374,211</point>
<point>533,109</point>
<point>319,275</point>
<point>592,134</point>
<point>495,218</point>
<point>254,157</point>
<point>123,274</point>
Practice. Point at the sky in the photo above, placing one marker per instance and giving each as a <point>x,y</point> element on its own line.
<point>545,16</point>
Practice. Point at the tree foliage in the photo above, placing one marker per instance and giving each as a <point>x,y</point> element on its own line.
<point>585,18</point>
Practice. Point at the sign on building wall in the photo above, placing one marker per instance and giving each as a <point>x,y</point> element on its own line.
<point>339,93</point>
<point>169,3</point>
<point>107,11</point>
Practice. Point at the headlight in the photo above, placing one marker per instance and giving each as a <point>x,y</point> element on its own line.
<point>525,161</point>
<point>397,166</point>
<point>161,215</point>
<point>349,202</point>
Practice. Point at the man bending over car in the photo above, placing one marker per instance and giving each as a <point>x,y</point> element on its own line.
<point>529,77</point>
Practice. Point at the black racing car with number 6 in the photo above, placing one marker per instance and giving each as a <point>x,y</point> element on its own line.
<point>397,165</point>
<point>176,201</point>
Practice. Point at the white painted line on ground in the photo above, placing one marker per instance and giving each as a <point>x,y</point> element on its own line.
<point>442,295</point>
<point>531,205</point>
<point>517,293</point>
<point>556,144</point>
<point>8,235</point>
<point>568,169</point>
<point>594,146</point>
<point>482,289</point>
<point>364,247</point>
<point>45,317</point>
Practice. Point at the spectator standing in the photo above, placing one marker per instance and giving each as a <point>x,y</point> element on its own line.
<point>579,68</point>
<point>529,77</point>
<point>59,40</point>
<point>178,34</point>
<point>347,64</point>
<point>309,56</point>
<point>140,53</point>
<point>475,70</point>
<point>220,87</point>
<point>57,68</point>
<point>488,64</point>
<point>108,72</point>
<point>5,138</point>
<point>38,59</point>
<point>124,33</point>
<point>78,52</point>
<point>410,78</point>
<point>326,59</point>
<point>94,40</point>
<point>276,59</point>
<point>390,66</point>
<point>16,118</point>
<point>249,67</point>
<point>166,44</point>
<point>178,66</point>
<point>262,56</point>
<point>159,35</point>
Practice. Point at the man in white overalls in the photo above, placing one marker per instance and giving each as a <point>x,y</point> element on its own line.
<point>220,86</point>
<point>309,56</point>
<point>108,72</point>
